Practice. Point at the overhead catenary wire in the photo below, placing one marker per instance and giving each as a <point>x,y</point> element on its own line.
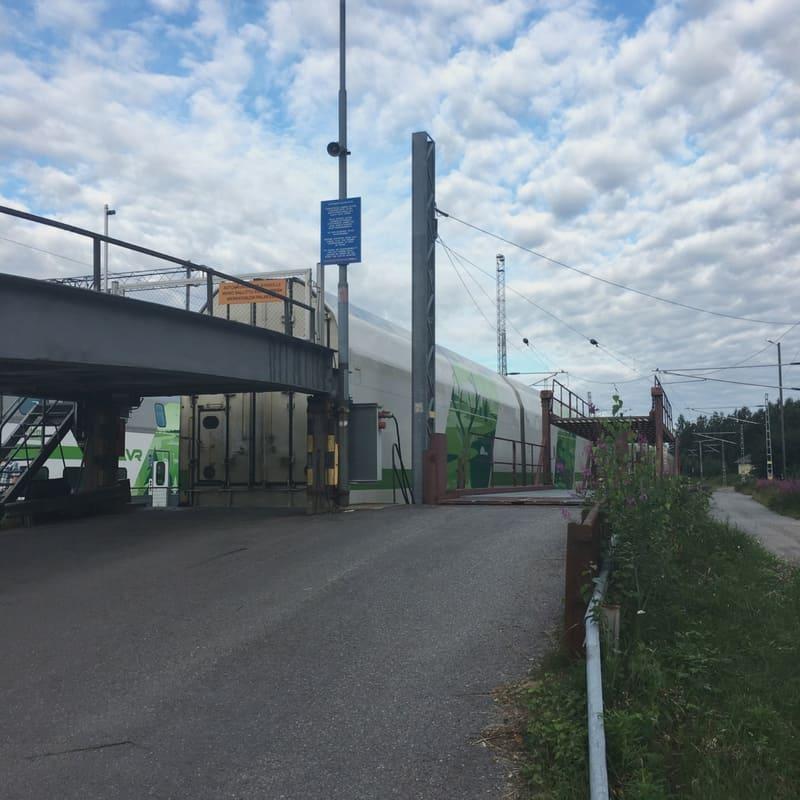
<point>466,289</point>
<point>765,348</point>
<point>491,325</point>
<point>463,262</point>
<point>735,366</point>
<point>558,319</point>
<point>701,378</point>
<point>46,252</point>
<point>608,281</point>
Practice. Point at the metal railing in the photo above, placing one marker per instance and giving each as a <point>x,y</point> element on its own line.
<point>666,414</point>
<point>568,405</point>
<point>525,461</point>
<point>582,628</point>
<point>188,266</point>
<point>598,769</point>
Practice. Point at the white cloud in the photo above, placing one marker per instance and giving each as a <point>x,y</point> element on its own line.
<point>69,15</point>
<point>171,6</point>
<point>665,157</point>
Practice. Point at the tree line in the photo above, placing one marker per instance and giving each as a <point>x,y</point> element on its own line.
<point>754,441</point>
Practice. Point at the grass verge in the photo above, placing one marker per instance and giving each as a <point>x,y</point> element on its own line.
<point>782,497</point>
<point>703,696</point>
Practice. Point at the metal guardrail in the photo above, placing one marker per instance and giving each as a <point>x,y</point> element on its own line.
<point>568,405</point>
<point>98,239</point>
<point>525,460</point>
<point>598,769</point>
<point>582,628</point>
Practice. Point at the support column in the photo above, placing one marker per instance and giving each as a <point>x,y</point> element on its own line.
<point>435,478</point>
<point>321,455</point>
<point>546,396</point>
<point>657,394</point>
<point>103,428</point>
<point>423,304</point>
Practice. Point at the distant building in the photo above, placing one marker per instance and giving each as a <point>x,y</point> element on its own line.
<point>745,466</point>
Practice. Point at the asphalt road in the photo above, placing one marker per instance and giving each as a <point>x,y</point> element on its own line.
<point>777,533</point>
<point>226,654</point>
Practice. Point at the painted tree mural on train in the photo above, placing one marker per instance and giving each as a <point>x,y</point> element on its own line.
<point>471,428</point>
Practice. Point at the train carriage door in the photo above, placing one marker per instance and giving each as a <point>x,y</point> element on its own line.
<point>159,481</point>
<point>210,444</point>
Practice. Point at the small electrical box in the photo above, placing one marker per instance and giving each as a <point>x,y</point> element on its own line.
<point>366,463</point>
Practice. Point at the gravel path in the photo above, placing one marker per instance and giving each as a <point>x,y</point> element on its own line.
<point>777,533</point>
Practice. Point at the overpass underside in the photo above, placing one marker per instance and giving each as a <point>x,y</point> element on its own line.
<point>104,352</point>
<point>64,343</point>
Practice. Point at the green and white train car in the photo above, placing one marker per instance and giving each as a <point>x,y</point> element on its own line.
<point>151,436</point>
<point>250,448</point>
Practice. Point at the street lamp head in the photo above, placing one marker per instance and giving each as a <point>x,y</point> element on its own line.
<point>110,212</point>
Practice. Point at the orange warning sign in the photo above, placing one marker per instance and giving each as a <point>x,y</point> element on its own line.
<point>234,293</point>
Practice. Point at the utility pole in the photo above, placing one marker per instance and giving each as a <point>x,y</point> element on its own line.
<point>701,459</point>
<point>768,435</point>
<point>780,406</point>
<point>502,357</point>
<point>344,294</point>
<point>780,400</point>
<point>107,212</point>
<point>741,442</point>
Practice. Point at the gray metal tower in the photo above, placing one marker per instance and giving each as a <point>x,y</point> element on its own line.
<point>502,358</point>
<point>423,303</point>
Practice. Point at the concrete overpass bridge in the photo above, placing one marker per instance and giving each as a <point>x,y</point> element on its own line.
<point>60,342</point>
<point>104,352</point>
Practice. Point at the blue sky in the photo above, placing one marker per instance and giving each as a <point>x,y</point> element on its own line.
<point>654,144</point>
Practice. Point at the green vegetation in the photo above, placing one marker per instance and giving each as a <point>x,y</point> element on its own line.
<point>703,693</point>
<point>754,441</point>
<point>782,497</point>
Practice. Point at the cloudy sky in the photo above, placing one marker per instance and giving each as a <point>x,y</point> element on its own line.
<point>655,145</point>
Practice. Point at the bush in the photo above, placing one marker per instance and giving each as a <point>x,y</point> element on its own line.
<point>782,497</point>
<point>703,694</point>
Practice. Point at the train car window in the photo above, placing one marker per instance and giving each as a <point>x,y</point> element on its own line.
<point>161,473</point>
<point>210,422</point>
<point>161,415</point>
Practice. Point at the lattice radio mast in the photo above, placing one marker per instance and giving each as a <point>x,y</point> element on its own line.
<point>768,432</point>
<point>502,358</point>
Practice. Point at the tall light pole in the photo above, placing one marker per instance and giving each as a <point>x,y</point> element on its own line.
<point>344,294</point>
<point>780,402</point>
<point>107,212</point>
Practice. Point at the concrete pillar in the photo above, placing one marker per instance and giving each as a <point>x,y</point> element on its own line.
<point>546,396</point>
<point>657,394</point>
<point>321,455</point>
<point>435,465</point>
<point>102,425</point>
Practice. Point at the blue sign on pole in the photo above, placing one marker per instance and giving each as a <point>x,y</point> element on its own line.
<point>340,231</point>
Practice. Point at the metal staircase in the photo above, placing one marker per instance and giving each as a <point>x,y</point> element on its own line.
<point>33,439</point>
